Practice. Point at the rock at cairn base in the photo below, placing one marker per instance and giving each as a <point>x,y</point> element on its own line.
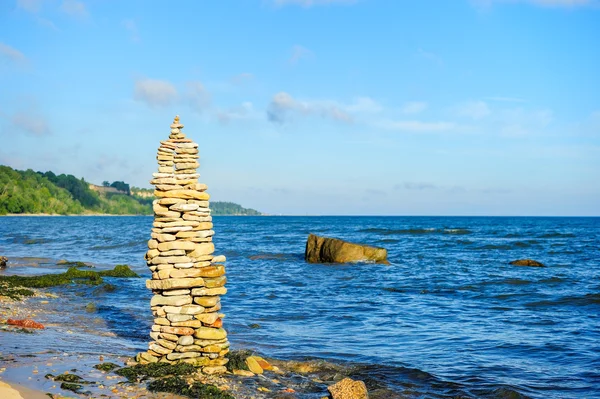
<point>187,280</point>
<point>348,389</point>
<point>332,250</point>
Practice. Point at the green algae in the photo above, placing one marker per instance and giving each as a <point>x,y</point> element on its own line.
<point>179,386</point>
<point>155,370</point>
<point>68,378</point>
<point>12,292</point>
<point>106,366</point>
<point>237,360</point>
<point>71,276</point>
<point>68,386</point>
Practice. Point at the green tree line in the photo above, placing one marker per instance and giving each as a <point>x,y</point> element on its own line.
<point>37,192</point>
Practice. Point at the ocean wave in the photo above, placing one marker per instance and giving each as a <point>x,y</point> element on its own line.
<point>556,234</point>
<point>416,231</point>
<point>574,300</point>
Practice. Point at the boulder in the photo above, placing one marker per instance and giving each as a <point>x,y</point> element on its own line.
<point>348,389</point>
<point>333,250</point>
<point>3,260</point>
<point>527,262</point>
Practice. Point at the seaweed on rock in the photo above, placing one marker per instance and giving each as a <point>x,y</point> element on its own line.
<point>179,386</point>
<point>155,370</point>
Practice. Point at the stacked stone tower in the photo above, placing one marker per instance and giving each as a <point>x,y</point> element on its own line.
<point>187,280</point>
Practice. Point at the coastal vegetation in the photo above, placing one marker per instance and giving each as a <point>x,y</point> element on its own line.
<point>30,192</point>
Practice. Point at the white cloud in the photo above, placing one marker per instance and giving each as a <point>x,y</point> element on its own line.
<point>416,126</point>
<point>31,123</point>
<point>242,78</point>
<point>131,27</point>
<point>506,99</point>
<point>32,6</point>
<point>310,3</point>
<point>283,105</point>
<point>74,8</point>
<point>11,54</point>
<point>473,109</point>
<point>299,53</point>
<point>243,112</point>
<point>155,92</point>
<point>413,107</point>
<point>197,95</point>
<point>428,55</point>
<point>363,105</point>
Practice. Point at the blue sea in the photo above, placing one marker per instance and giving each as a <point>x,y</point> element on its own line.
<point>449,318</point>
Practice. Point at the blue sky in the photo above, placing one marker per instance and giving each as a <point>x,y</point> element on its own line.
<point>462,107</point>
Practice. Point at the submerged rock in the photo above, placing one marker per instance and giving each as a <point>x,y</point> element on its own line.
<point>3,260</point>
<point>348,389</point>
<point>527,262</point>
<point>332,250</point>
<point>27,323</point>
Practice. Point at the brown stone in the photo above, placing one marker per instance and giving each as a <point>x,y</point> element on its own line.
<point>332,250</point>
<point>183,194</point>
<point>527,262</point>
<point>185,245</point>
<point>177,330</point>
<point>174,283</point>
<point>215,282</point>
<point>348,389</point>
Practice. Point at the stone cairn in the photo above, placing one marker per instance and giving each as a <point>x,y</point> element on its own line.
<point>187,280</point>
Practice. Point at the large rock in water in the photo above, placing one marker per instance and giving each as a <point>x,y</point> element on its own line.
<point>3,260</point>
<point>527,262</point>
<point>348,389</point>
<point>332,250</point>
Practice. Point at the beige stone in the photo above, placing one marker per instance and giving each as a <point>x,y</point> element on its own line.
<point>181,207</point>
<point>171,300</point>
<point>219,259</point>
<point>185,273</point>
<point>176,292</point>
<point>170,245</point>
<point>167,187</point>
<point>169,201</point>
<point>163,237</point>
<point>253,365</point>
<point>176,229</point>
<point>195,233</point>
<point>167,344</point>
<point>170,337</point>
<point>210,333</point>
<point>211,271</point>
<point>203,226</point>
<point>178,330</point>
<point>186,340</point>
<point>152,253</point>
<point>207,301</point>
<point>162,321</point>
<point>174,283</point>
<point>159,348</point>
<point>170,259</point>
<point>244,373</point>
<point>215,282</point>
<point>179,356</point>
<point>173,317</point>
<point>207,318</point>
<point>201,249</point>
<point>188,309</point>
<point>348,389</point>
<point>190,323</point>
<point>209,291</point>
<point>183,194</point>
<point>177,223</point>
<point>197,361</point>
<point>152,244</point>
<point>206,342</point>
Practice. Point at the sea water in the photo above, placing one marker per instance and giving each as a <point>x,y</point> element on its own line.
<point>450,317</point>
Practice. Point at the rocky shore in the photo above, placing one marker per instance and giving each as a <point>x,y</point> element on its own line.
<point>33,365</point>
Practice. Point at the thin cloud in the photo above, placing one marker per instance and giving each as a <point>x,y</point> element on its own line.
<point>131,27</point>
<point>242,78</point>
<point>299,53</point>
<point>30,123</point>
<point>311,3</point>
<point>416,186</point>
<point>197,95</point>
<point>243,112</point>
<point>506,99</point>
<point>33,6</point>
<point>416,126</point>
<point>428,55</point>
<point>154,92</point>
<point>473,109</point>
<point>413,107</point>
<point>74,8</point>
<point>11,54</point>
<point>283,105</point>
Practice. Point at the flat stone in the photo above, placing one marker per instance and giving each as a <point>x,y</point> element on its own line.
<point>174,283</point>
<point>187,165</point>
<point>176,292</point>
<point>183,245</point>
<point>171,300</point>
<point>187,310</point>
<point>210,333</point>
<point>187,176</point>
<point>187,355</point>
<point>167,344</point>
<point>211,271</point>
<point>253,365</point>
<point>186,145</point>
<point>219,259</point>
<point>206,342</point>
<point>201,249</point>
<point>197,361</point>
<point>190,323</point>
<point>178,330</point>
<point>159,349</point>
<point>152,244</point>
<point>201,204</point>
<point>170,337</point>
<point>169,201</point>
<point>209,291</point>
<point>173,317</point>
<point>183,194</point>
<point>188,265</point>
<point>198,240</point>
<point>183,207</point>
<point>195,233</point>
<point>215,308</point>
<point>176,229</point>
<point>163,237</point>
<point>243,373</point>
<point>170,259</point>
<point>177,223</point>
<point>167,187</point>
<point>215,282</point>
<point>186,340</point>
<point>174,252</point>
<point>152,253</point>
<point>207,301</point>
<point>184,273</point>
<point>207,318</point>
<point>155,335</point>
<point>203,226</point>
<point>162,321</point>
